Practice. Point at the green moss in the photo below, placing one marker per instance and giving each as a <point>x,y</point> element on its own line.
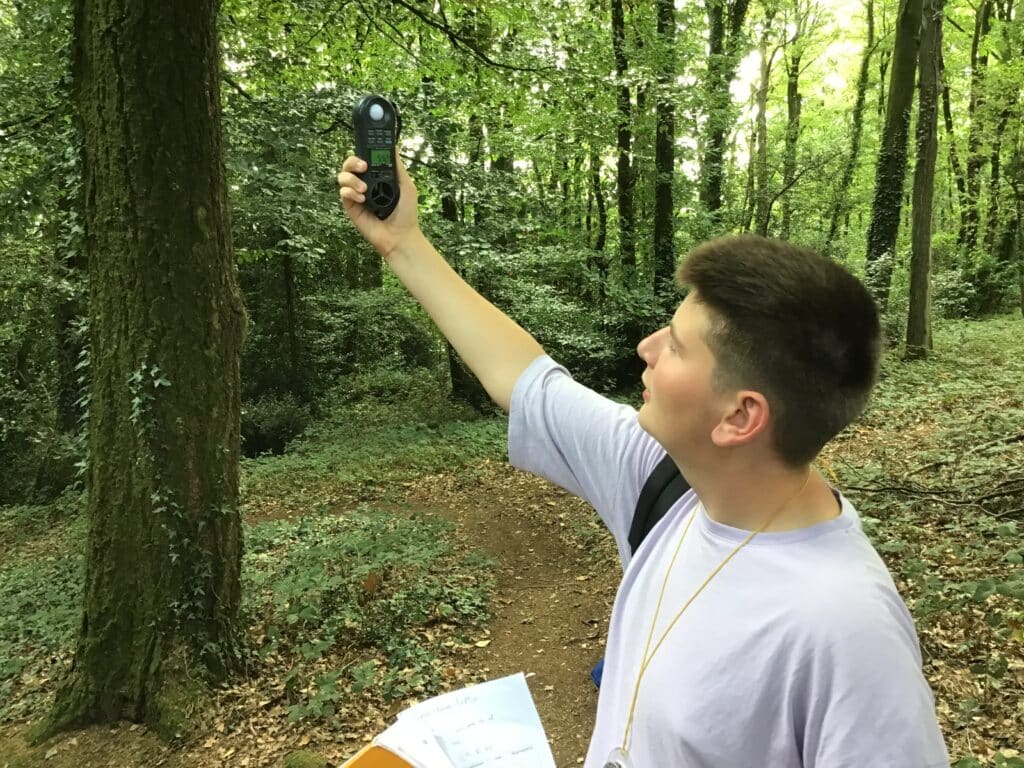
<point>178,706</point>
<point>304,759</point>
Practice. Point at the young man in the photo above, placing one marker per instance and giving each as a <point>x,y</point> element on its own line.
<point>755,625</point>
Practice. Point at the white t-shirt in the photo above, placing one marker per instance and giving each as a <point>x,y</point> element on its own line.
<point>799,653</point>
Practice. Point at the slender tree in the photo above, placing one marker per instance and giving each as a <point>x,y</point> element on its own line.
<point>794,49</point>
<point>968,237</point>
<point>956,167</point>
<point>892,157</point>
<point>763,193</point>
<point>664,147</point>
<point>725,25</point>
<point>841,203</point>
<point>624,138</point>
<point>167,322</point>
<point>919,336</point>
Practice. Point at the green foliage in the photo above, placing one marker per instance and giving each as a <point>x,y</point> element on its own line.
<point>553,291</point>
<point>41,580</point>
<point>946,515</point>
<point>367,579</point>
<point>270,422</point>
<point>390,435</point>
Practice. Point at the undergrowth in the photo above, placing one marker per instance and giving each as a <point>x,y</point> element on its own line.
<point>936,468</point>
<point>344,600</point>
<point>351,599</point>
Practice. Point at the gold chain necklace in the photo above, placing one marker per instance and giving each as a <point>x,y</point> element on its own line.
<point>619,757</point>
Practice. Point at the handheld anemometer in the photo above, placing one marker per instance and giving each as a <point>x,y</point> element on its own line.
<point>376,125</point>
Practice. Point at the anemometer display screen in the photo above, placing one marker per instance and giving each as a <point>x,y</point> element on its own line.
<point>380,157</point>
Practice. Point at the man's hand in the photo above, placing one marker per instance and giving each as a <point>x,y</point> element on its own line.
<point>387,234</point>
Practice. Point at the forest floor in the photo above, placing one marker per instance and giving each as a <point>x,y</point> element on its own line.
<point>526,575</point>
<point>556,576</point>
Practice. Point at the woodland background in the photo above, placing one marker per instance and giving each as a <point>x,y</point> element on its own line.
<point>167,188</point>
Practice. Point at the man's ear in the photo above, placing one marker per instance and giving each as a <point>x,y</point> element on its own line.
<point>747,415</point>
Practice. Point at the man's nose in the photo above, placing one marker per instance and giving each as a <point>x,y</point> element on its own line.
<point>648,348</point>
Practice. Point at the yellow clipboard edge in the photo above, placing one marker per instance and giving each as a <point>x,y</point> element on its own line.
<point>375,756</point>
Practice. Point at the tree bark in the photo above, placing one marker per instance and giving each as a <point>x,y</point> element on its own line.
<point>167,323</point>
<point>841,204</point>
<point>954,156</point>
<point>664,149</point>
<point>749,190</point>
<point>725,24</point>
<point>919,335</point>
<point>293,328</point>
<point>892,157</point>
<point>762,194</point>
<point>995,179</point>
<point>1010,250</point>
<point>602,212</point>
<point>624,168</point>
<point>968,237</point>
<point>793,105</point>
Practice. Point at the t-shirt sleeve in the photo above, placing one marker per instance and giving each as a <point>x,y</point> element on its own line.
<point>584,442</point>
<point>868,702</point>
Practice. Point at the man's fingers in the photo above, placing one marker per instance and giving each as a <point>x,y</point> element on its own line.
<point>350,181</point>
<point>347,193</point>
<point>353,164</point>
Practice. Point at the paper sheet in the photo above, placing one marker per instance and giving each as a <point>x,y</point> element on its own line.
<point>414,743</point>
<point>490,724</point>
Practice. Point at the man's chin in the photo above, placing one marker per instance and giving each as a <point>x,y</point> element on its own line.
<point>641,419</point>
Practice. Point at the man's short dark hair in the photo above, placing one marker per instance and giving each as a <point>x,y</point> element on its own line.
<point>792,325</point>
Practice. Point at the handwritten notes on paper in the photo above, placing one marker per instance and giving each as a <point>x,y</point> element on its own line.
<point>493,724</point>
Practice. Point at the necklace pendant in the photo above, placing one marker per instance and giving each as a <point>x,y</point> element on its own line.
<point>618,758</point>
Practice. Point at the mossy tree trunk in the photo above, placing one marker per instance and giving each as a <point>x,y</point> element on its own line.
<point>625,172</point>
<point>725,29</point>
<point>892,157</point>
<point>664,152</point>
<point>919,333</point>
<point>167,323</point>
<point>841,203</point>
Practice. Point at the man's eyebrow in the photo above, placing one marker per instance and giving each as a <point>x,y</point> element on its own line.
<point>672,333</point>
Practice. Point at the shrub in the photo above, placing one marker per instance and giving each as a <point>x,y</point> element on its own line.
<point>271,422</point>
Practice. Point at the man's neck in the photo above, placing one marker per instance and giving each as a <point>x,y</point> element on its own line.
<point>746,495</point>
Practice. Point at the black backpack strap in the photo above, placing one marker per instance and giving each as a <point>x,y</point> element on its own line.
<point>664,487</point>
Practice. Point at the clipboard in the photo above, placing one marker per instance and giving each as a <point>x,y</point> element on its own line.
<point>375,756</point>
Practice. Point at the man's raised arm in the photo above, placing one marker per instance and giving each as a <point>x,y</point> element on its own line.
<point>494,347</point>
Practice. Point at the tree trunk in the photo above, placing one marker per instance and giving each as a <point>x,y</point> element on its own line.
<point>293,328</point>
<point>919,336</point>
<point>841,204</point>
<point>750,191</point>
<point>476,156</point>
<point>979,62</point>
<point>167,323</point>
<point>602,212</point>
<point>465,386</point>
<point>994,194</point>
<point>1010,250</point>
<point>954,156</point>
<point>725,24</point>
<point>892,157</point>
<point>624,175</point>
<point>793,103</point>
<point>762,194</point>
<point>664,150</point>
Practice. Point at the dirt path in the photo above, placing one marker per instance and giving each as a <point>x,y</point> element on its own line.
<point>557,575</point>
